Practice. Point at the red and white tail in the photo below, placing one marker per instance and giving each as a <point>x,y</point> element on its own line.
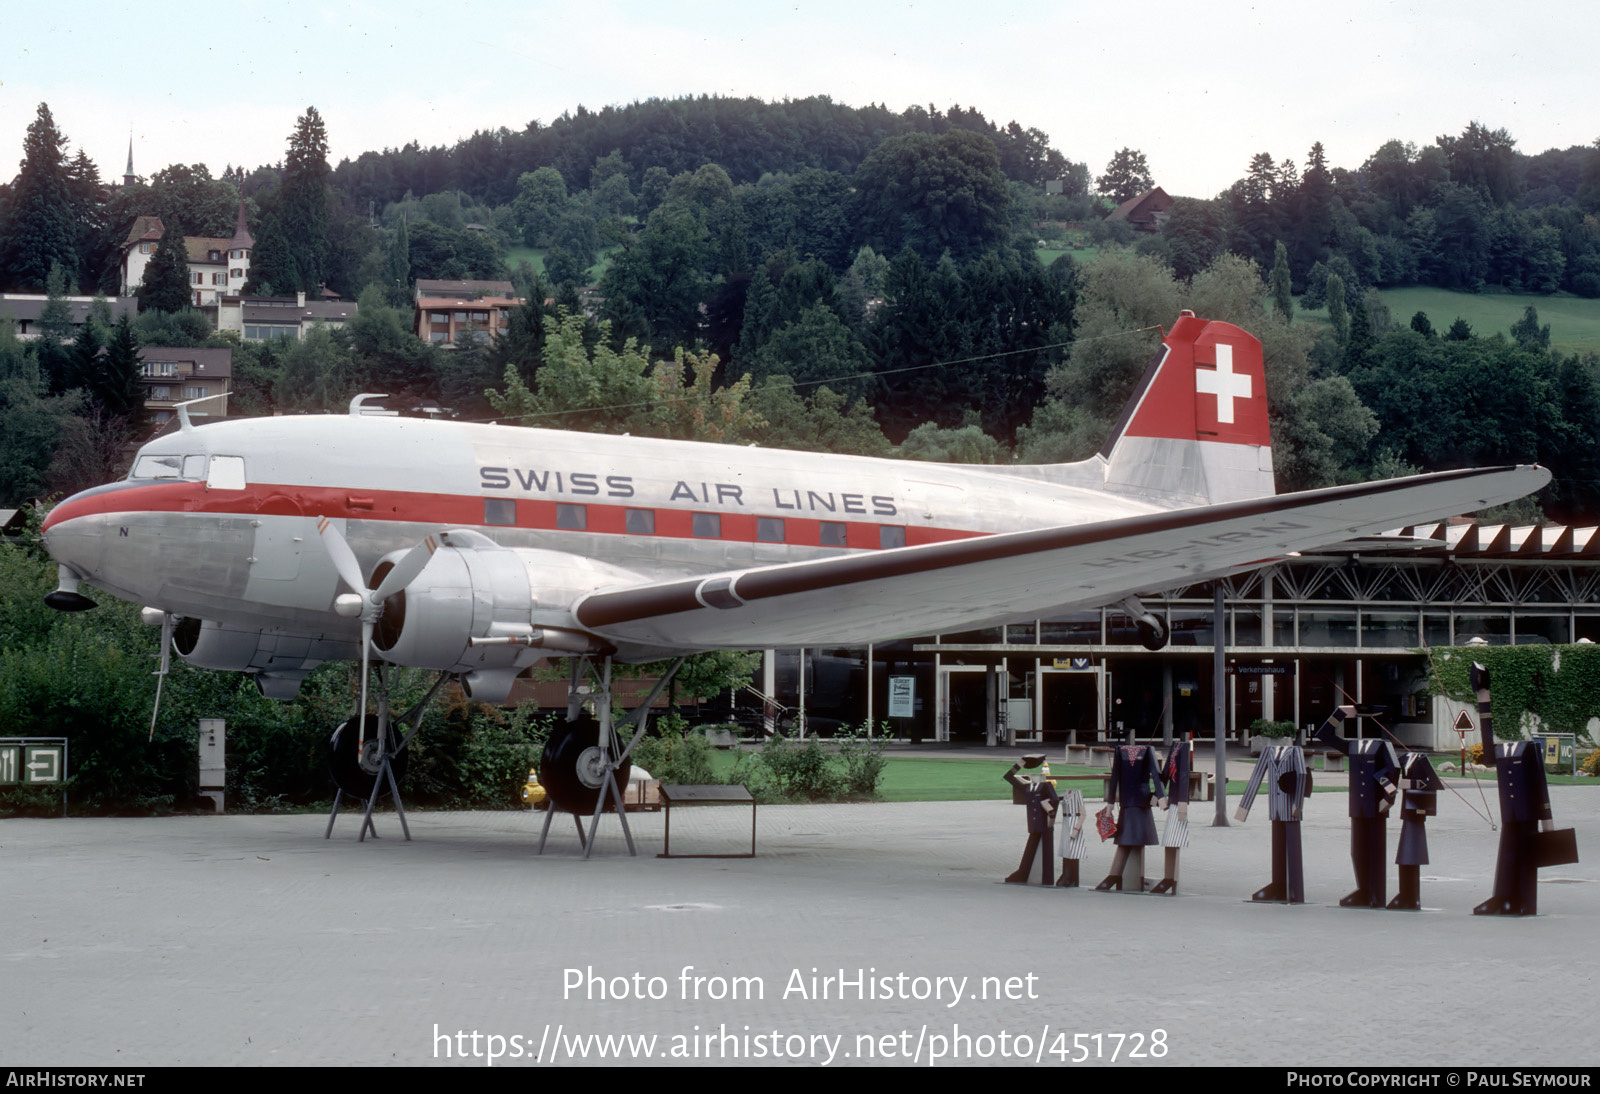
<point>1196,431</point>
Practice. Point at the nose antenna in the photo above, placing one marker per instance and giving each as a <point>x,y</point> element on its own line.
<point>184,424</point>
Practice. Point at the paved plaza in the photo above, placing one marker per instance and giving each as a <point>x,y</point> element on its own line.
<point>860,933</point>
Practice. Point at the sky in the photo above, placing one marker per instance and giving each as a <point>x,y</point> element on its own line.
<point>1198,88</point>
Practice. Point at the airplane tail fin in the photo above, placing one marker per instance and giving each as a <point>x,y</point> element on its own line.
<point>1195,430</point>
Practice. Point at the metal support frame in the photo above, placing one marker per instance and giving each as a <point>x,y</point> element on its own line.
<point>385,772</point>
<point>610,758</point>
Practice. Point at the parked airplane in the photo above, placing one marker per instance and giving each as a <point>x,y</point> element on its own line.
<point>270,545</point>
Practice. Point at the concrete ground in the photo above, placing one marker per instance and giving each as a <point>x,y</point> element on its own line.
<point>252,940</point>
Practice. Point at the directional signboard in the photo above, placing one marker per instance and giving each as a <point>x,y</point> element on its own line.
<point>32,761</point>
<point>42,764</point>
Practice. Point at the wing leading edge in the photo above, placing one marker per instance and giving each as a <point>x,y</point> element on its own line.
<point>883,595</point>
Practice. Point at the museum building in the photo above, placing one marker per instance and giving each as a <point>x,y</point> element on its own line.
<point>1301,636</point>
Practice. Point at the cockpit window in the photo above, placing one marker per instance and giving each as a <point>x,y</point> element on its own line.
<point>158,467</point>
<point>227,473</point>
<point>194,467</point>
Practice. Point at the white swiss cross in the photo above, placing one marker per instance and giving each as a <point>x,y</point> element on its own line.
<point>1226,384</point>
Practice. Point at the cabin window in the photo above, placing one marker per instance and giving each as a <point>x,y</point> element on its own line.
<point>769,529</point>
<point>641,522</point>
<point>891,535</point>
<point>574,518</point>
<point>227,473</point>
<point>834,533</point>
<point>707,526</point>
<point>501,511</point>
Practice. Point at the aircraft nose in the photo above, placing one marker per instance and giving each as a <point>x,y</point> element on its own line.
<point>74,535</point>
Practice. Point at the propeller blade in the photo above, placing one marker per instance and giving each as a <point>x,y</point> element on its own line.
<point>344,559</point>
<point>406,570</point>
<point>366,661</point>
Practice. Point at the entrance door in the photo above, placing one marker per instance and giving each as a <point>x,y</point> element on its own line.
<point>1071,704</point>
<point>963,695</point>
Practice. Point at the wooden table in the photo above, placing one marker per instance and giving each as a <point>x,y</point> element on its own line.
<point>687,795</point>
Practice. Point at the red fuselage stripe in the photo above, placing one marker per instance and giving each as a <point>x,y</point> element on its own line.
<point>456,510</point>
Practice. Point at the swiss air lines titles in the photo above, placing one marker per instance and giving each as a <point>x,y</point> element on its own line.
<point>588,484</point>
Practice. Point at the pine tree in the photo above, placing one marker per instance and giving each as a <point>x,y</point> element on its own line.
<point>1279,282</point>
<point>118,385</point>
<point>272,267</point>
<point>41,229</point>
<point>165,286</point>
<point>1338,312</point>
<point>303,203</point>
<point>400,256</point>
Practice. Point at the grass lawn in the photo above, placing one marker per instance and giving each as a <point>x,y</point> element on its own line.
<point>1080,255</point>
<point>535,257</point>
<point>1574,322</point>
<point>942,779</point>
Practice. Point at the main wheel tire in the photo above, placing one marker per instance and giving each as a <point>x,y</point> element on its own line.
<point>355,768</point>
<point>1152,633</point>
<point>571,768</point>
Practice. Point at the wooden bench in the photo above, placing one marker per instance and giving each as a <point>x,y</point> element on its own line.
<point>692,794</point>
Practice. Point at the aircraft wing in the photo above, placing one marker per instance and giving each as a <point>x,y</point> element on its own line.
<point>941,587</point>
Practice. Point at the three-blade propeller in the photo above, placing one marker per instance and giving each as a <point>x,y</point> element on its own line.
<point>365,601</point>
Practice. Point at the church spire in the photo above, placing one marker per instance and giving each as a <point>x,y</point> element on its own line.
<point>127,176</point>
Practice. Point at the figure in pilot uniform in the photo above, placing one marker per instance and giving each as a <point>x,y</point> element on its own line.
<point>1374,767</point>
<point>1175,832</point>
<point>1069,827</point>
<point>1135,781</point>
<point>1039,795</point>
<point>1419,800</point>
<point>1283,769</point>
<point>1524,813</point>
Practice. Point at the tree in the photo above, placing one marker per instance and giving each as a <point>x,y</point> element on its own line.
<point>1196,233</point>
<point>302,203</point>
<point>815,347</point>
<point>31,421</point>
<point>1338,311</point>
<point>965,444</point>
<point>191,197</point>
<point>603,390</point>
<point>933,194</point>
<point>1127,176</point>
<point>1123,299</point>
<point>1527,333</point>
<point>654,286</point>
<point>400,257</point>
<point>821,420</point>
<point>118,386</point>
<point>165,286</point>
<point>1485,160</point>
<point>1278,282</point>
<point>40,230</point>
<point>541,195</point>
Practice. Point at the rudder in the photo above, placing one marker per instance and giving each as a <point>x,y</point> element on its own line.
<point>1196,429</point>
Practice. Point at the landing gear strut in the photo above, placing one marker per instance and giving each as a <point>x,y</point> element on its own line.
<point>369,755</point>
<point>582,767</point>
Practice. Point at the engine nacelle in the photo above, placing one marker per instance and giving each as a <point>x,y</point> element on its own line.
<point>279,661</point>
<point>487,611</point>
